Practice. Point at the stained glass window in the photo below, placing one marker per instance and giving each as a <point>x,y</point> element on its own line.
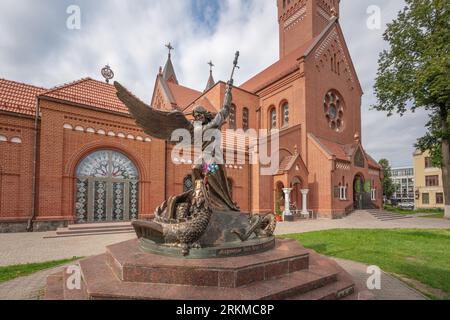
<point>245,119</point>
<point>333,107</point>
<point>359,159</point>
<point>107,164</point>
<point>285,114</point>
<point>273,118</point>
<point>107,188</point>
<point>233,117</point>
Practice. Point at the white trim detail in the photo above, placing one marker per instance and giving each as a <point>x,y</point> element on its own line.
<point>16,140</point>
<point>130,136</point>
<point>3,138</point>
<point>90,130</point>
<point>111,134</point>
<point>68,126</point>
<point>101,132</point>
<point>79,129</point>
<point>295,18</point>
<point>139,138</point>
<point>121,135</point>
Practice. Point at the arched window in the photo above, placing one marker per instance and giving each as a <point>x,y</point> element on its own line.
<point>285,114</point>
<point>16,140</point>
<point>233,117</point>
<point>107,188</point>
<point>334,109</point>
<point>245,119</point>
<point>272,118</point>
<point>187,183</point>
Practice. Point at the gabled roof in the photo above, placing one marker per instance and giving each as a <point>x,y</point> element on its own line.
<point>344,152</point>
<point>18,97</point>
<point>183,96</point>
<point>169,71</point>
<point>286,65</point>
<point>88,92</point>
<point>288,162</point>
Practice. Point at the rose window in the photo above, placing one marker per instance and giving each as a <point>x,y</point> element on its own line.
<point>333,105</point>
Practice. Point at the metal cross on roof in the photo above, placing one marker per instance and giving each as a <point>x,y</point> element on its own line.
<point>169,46</point>
<point>211,65</point>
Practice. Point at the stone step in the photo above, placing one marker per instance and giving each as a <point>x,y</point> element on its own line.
<point>54,289</point>
<point>390,214</point>
<point>334,291</point>
<point>393,218</point>
<point>130,264</point>
<point>92,233</point>
<point>101,230</point>
<point>72,294</point>
<point>101,283</point>
<point>96,226</point>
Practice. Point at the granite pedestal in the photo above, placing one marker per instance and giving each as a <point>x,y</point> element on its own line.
<point>125,271</point>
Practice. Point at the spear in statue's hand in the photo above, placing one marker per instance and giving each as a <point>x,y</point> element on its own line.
<point>235,65</point>
<point>228,96</point>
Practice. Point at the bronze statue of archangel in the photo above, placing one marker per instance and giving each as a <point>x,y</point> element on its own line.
<point>183,219</point>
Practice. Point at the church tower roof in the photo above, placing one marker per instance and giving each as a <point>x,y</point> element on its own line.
<point>211,81</point>
<point>169,71</point>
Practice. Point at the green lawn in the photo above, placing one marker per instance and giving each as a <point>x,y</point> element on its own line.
<point>404,211</point>
<point>421,255</point>
<point>15,271</point>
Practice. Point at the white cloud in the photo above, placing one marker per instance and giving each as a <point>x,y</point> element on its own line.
<point>130,36</point>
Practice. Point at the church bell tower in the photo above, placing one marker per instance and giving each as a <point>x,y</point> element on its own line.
<point>300,21</point>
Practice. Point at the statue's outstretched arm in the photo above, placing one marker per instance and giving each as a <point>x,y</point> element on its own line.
<point>224,113</point>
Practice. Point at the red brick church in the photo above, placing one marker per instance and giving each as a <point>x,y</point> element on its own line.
<point>73,154</point>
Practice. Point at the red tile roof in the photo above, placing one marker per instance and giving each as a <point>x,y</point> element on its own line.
<point>345,152</point>
<point>278,70</point>
<point>335,149</point>
<point>287,163</point>
<point>18,97</point>
<point>88,92</point>
<point>183,95</point>
<point>204,102</point>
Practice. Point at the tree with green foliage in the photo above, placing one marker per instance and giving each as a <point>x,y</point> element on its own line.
<point>386,182</point>
<point>415,73</point>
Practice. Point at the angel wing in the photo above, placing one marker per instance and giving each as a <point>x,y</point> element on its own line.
<point>155,123</point>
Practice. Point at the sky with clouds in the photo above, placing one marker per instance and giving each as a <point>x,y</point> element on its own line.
<point>36,47</point>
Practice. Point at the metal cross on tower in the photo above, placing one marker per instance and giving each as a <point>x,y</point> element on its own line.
<point>169,46</point>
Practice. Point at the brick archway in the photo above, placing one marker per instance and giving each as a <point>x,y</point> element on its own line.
<point>106,188</point>
<point>79,155</point>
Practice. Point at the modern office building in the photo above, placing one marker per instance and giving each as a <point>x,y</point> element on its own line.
<point>403,180</point>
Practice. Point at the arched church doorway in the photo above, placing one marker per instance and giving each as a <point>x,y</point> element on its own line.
<point>279,198</point>
<point>296,194</point>
<point>362,197</point>
<point>107,188</point>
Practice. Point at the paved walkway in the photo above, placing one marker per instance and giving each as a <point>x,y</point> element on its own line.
<point>19,248</point>
<point>32,247</point>
<point>391,287</point>
<point>360,220</point>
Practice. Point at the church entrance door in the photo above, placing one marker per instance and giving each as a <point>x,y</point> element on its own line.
<point>362,193</point>
<point>107,188</point>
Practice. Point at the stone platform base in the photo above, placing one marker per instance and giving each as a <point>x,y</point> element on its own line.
<point>286,272</point>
